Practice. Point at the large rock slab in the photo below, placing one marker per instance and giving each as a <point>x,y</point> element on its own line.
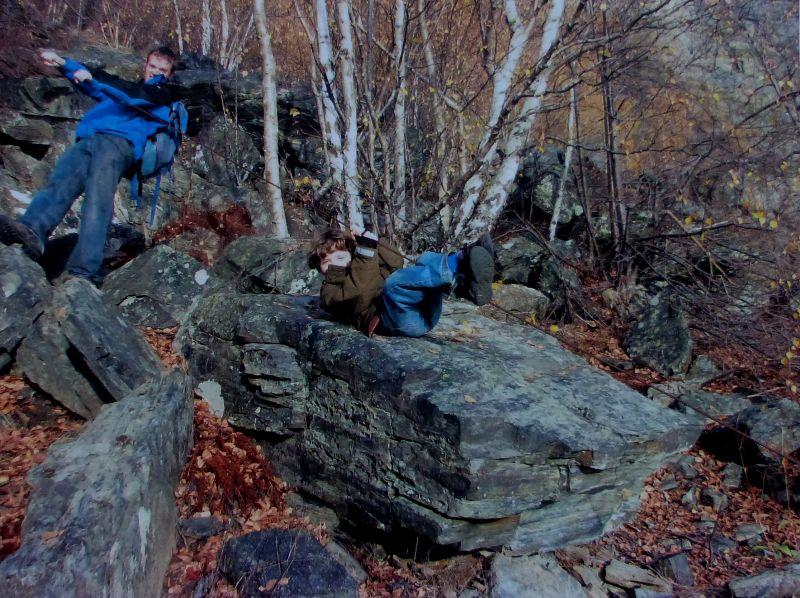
<point>478,434</point>
<point>25,292</point>
<point>82,353</point>
<point>101,519</point>
<point>156,288</point>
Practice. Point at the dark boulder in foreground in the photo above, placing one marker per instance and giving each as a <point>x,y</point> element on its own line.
<point>281,562</point>
<point>101,518</point>
<point>479,434</point>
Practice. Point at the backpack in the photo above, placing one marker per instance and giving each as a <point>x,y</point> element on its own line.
<point>159,156</point>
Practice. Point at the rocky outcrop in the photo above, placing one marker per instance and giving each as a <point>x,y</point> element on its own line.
<point>25,293</point>
<point>514,302</point>
<point>83,535</point>
<point>284,563</point>
<point>82,353</point>
<point>156,288</point>
<point>516,258</point>
<point>660,339</point>
<point>478,434</point>
<point>783,581</point>
<point>262,264</point>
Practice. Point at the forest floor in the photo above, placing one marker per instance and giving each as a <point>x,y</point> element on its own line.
<point>227,476</point>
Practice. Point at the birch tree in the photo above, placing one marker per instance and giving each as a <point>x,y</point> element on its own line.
<point>271,164</point>
<point>476,217</point>
<point>205,43</point>
<point>330,128</point>
<point>562,186</point>
<point>178,27</point>
<point>225,33</point>
<point>350,155</point>
<point>400,112</point>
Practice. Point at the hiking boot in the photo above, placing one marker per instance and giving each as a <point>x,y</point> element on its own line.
<point>16,233</point>
<point>480,274</point>
<point>486,242</point>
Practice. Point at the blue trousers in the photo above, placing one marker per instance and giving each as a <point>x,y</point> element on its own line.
<point>93,166</point>
<point>413,296</point>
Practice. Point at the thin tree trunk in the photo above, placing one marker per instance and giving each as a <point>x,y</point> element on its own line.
<point>562,186</point>
<point>438,116</point>
<point>582,190</point>
<point>331,127</point>
<point>350,116</point>
<point>271,164</point>
<point>205,44</point>
<point>225,33</point>
<point>400,113</point>
<point>178,28</point>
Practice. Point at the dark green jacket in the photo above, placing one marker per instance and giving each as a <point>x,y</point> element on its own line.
<point>353,294</point>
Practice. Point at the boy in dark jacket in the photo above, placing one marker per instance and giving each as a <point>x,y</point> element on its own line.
<point>366,285</point>
<point>110,139</point>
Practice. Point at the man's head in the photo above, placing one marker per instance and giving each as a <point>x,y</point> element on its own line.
<point>333,248</point>
<point>160,61</point>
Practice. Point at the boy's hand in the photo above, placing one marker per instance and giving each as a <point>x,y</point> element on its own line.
<point>50,58</point>
<point>82,75</point>
<point>357,230</point>
<point>335,258</point>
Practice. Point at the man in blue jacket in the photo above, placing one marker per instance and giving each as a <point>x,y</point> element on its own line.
<point>110,139</point>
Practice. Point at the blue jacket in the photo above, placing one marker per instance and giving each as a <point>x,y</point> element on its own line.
<point>132,111</point>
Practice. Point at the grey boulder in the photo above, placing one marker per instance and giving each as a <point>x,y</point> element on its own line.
<point>262,264</point>
<point>660,339</point>
<point>82,353</point>
<point>157,288</point>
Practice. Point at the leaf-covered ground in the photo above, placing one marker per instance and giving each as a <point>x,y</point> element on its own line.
<point>28,426</point>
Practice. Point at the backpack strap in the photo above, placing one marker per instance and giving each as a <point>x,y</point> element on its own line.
<point>136,188</point>
<point>154,200</point>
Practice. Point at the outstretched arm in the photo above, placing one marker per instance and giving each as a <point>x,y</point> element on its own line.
<point>99,85</point>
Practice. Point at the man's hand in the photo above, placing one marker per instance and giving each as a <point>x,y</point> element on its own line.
<point>82,75</point>
<point>50,58</point>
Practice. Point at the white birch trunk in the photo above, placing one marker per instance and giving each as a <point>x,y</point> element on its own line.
<point>331,124</point>
<point>205,43</point>
<point>178,28</point>
<point>225,33</point>
<point>501,84</point>
<point>350,153</point>
<point>400,113</point>
<point>501,80</point>
<point>271,164</point>
<point>562,186</point>
<point>494,199</point>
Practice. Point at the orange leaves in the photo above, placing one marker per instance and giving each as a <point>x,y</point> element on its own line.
<point>23,446</point>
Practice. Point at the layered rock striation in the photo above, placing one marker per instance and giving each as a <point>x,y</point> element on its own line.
<point>479,434</point>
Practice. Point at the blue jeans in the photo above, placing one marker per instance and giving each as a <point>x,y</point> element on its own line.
<point>412,297</point>
<point>93,166</point>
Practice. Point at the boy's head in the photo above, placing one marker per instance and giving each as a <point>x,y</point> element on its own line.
<point>160,61</point>
<point>334,247</point>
